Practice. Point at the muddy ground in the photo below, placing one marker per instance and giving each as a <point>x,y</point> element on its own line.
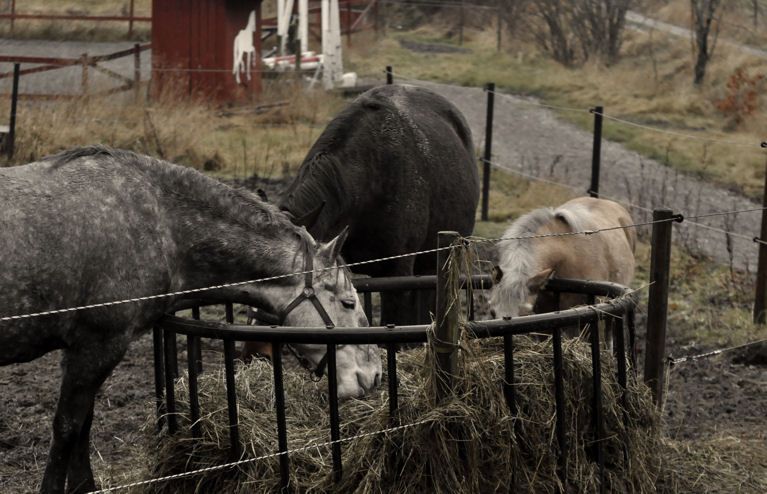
<point>707,397</point>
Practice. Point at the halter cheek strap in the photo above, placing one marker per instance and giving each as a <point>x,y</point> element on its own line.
<point>308,294</point>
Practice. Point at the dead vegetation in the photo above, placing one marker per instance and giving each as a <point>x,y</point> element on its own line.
<point>268,139</point>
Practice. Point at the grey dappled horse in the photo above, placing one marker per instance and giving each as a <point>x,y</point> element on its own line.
<point>96,224</point>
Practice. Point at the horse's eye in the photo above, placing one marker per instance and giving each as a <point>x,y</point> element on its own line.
<point>348,303</point>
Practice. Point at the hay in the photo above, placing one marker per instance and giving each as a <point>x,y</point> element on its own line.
<point>719,464</point>
<point>468,446</point>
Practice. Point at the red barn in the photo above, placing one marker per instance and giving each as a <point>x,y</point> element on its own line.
<point>193,46</point>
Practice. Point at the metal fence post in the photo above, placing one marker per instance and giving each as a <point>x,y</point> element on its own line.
<point>11,137</point>
<point>596,151</point>
<point>130,21</point>
<point>499,23</point>
<point>657,306</point>
<point>760,302</point>
<point>137,71</point>
<point>488,158</point>
<point>389,75</point>
<point>446,332</point>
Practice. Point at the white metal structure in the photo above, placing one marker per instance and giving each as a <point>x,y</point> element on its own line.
<point>331,57</point>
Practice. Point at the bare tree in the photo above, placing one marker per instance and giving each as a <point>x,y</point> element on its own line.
<point>599,26</point>
<point>575,30</point>
<point>704,13</point>
<point>556,37</point>
<point>755,12</point>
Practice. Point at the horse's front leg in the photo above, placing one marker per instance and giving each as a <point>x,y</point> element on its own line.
<point>79,473</point>
<point>85,369</point>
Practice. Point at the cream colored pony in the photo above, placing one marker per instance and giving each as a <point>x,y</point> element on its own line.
<point>525,265</point>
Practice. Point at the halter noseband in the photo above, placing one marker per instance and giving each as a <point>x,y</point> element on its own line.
<point>307,294</point>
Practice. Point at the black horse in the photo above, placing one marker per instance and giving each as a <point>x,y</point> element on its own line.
<point>95,225</point>
<point>397,166</point>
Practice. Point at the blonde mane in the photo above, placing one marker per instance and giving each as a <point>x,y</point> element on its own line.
<point>516,256</point>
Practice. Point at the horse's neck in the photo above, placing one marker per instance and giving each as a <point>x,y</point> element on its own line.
<point>222,235</point>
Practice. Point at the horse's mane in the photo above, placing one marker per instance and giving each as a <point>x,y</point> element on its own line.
<point>517,257</point>
<point>320,177</point>
<point>188,186</point>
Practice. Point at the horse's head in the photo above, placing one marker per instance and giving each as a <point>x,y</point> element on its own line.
<point>327,297</point>
<point>515,292</point>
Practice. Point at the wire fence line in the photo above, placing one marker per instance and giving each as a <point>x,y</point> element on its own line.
<point>691,358</point>
<point>531,177</point>
<point>311,445</point>
<point>688,220</point>
<point>676,218</point>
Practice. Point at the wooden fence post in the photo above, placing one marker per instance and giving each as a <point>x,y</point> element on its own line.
<point>130,20</point>
<point>389,75</point>
<point>84,76</point>
<point>657,306</point>
<point>446,332</point>
<point>488,158</point>
<point>760,301</point>
<point>596,151</point>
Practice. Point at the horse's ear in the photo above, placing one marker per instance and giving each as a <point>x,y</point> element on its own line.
<point>536,282</point>
<point>332,249</point>
<point>309,219</point>
<point>262,195</point>
<point>496,274</point>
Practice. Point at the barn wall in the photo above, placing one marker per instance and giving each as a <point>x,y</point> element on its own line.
<point>192,48</point>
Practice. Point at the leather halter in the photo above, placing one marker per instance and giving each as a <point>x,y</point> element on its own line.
<point>308,294</point>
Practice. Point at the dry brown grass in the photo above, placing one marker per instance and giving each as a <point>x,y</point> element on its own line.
<point>235,142</point>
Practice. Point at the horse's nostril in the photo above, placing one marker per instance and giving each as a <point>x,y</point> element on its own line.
<point>492,313</point>
<point>378,379</point>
